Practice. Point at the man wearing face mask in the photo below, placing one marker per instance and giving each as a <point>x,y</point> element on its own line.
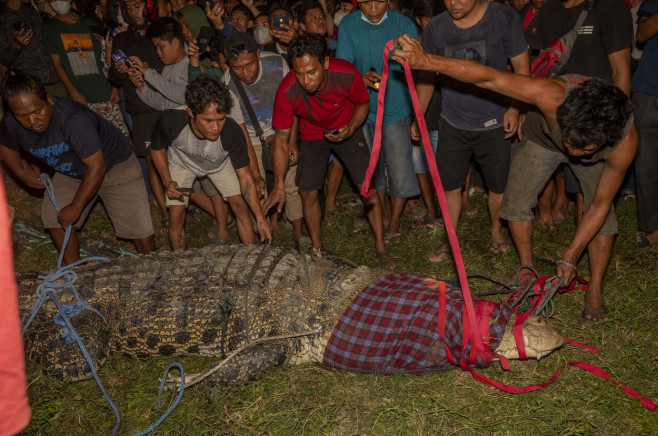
<point>361,40</point>
<point>262,30</point>
<point>76,56</point>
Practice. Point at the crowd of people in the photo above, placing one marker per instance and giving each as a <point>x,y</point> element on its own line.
<point>251,110</point>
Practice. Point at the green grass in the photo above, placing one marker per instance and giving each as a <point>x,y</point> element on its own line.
<point>313,400</point>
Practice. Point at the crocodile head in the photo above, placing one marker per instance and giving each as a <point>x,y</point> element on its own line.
<point>540,338</point>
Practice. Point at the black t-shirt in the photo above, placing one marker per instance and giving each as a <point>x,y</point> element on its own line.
<point>608,28</point>
<point>201,156</point>
<point>75,133</point>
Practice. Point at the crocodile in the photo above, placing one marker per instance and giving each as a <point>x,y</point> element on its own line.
<point>216,301</point>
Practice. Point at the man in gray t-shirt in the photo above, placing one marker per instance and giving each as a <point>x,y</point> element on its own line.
<point>475,122</point>
<point>203,141</point>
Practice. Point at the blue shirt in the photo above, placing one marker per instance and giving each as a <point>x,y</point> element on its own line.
<point>362,43</point>
<point>645,79</point>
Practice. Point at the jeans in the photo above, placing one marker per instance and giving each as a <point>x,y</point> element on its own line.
<point>395,167</point>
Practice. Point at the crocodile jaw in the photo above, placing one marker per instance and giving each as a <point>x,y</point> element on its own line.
<point>540,338</point>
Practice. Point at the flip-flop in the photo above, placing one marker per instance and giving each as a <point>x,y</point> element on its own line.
<point>444,255</point>
<point>499,247</point>
<point>218,241</point>
<point>594,311</point>
<point>641,241</point>
<point>392,238</point>
<point>470,212</point>
<point>425,222</point>
<point>360,225</point>
<point>387,260</point>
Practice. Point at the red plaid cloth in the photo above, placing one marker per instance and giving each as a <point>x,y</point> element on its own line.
<point>392,326</point>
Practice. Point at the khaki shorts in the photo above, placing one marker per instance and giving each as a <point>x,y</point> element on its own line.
<point>531,167</point>
<point>123,193</point>
<point>293,200</point>
<point>225,180</point>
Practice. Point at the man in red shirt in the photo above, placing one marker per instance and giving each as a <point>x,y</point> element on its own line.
<point>330,99</point>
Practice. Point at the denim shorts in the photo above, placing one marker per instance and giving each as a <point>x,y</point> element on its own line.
<point>395,167</point>
<point>420,159</point>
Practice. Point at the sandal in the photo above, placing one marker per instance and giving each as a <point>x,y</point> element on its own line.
<point>392,238</point>
<point>499,247</point>
<point>360,225</point>
<point>469,211</point>
<point>218,241</point>
<point>440,256</point>
<point>425,222</point>
<point>387,260</point>
<point>194,213</point>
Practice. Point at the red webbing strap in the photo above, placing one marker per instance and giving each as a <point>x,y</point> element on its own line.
<point>377,140</point>
<point>511,389</point>
<point>477,348</point>
<point>581,345</point>
<point>624,388</point>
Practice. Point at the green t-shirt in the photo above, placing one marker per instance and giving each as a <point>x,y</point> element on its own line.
<point>80,54</point>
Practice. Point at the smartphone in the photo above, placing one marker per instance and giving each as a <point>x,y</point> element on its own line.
<point>279,20</point>
<point>331,132</point>
<point>21,25</point>
<point>203,39</point>
<point>119,56</point>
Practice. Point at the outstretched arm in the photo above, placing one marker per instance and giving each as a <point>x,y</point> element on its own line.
<point>546,94</point>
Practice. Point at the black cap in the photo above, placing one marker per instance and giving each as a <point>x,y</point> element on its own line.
<point>238,44</point>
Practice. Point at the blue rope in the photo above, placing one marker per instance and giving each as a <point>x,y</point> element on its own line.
<point>68,310</point>
<point>173,406</point>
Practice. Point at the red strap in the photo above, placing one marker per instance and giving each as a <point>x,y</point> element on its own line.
<point>581,345</point>
<point>625,388</point>
<point>478,349</point>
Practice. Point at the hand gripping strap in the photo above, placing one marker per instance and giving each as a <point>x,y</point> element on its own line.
<point>477,348</point>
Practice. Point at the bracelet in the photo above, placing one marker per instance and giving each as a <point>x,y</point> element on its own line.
<point>567,263</point>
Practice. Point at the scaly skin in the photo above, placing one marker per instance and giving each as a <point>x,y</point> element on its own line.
<point>173,303</point>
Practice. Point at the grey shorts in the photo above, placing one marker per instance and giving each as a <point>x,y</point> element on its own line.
<point>123,193</point>
<point>531,167</point>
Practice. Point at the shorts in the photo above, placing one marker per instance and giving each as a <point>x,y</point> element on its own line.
<point>123,193</point>
<point>531,167</point>
<point>421,165</point>
<point>225,180</point>
<point>395,167</point>
<point>143,126</point>
<point>314,158</point>
<point>489,148</point>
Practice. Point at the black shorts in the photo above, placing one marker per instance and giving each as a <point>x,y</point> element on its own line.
<point>314,159</point>
<point>489,148</point>
<point>143,125</point>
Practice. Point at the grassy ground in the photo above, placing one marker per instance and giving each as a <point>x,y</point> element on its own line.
<point>313,400</point>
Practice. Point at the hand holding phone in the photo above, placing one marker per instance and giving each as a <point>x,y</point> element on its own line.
<point>119,56</point>
<point>279,20</point>
<point>331,132</point>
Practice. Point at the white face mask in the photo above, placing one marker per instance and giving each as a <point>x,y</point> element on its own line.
<point>262,35</point>
<point>61,7</point>
<point>339,16</point>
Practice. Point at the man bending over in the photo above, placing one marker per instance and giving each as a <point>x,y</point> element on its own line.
<point>586,123</point>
